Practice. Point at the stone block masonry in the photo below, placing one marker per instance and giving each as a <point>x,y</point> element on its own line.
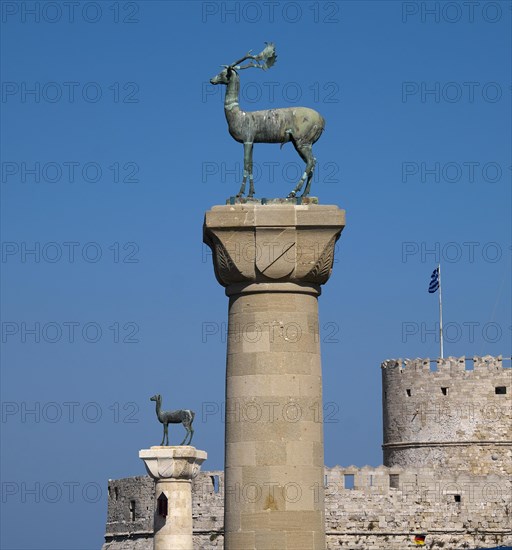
<point>458,416</point>
<point>365,508</point>
<point>172,469</point>
<point>448,452</point>
<point>272,260</point>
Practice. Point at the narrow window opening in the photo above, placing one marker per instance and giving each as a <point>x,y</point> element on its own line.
<point>371,480</point>
<point>349,481</point>
<point>109,492</point>
<point>325,481</point>
<point>456,498</point>
<point>215,482</point>
<point>394,481</point>
<point>445,391</point>
<point>500,390</point>
<point>408,393</point>
<point>161,505</point>
<point>116,493</point>
<point>132,510</point>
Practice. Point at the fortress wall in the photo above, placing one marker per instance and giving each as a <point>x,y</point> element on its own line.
<point>454,417</point>
<point>208,509</point>
<point>447,472</point>
<point>387,506</point>
<point>123,533</point>
<point>384,510</point>
<point>121,493</point>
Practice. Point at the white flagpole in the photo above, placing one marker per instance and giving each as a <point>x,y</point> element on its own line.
<point>440,313</point>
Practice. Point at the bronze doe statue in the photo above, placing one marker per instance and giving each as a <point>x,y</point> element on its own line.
<point>300,125</point>
<point>180,416</point>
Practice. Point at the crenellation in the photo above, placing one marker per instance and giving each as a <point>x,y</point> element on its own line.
<point>392,364</point>
<point>447,470</point>
<point>451,365</point>
<point>456,510</point>
<point>488,363</point>
<point>414,365</point>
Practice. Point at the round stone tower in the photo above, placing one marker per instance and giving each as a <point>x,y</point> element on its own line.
<point>453,417</point>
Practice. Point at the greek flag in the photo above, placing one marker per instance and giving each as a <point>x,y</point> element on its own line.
<point>434,281</point>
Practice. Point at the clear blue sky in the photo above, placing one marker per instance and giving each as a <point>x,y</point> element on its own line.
<point>132,148</point>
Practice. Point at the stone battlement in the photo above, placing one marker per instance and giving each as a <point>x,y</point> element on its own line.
<point>386,479</point>
<point>446,474</point>
<point>377,508</point>
<point>480,365</point>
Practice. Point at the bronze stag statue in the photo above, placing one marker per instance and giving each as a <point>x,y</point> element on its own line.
<point>180,416</point>
<point>300,125</point>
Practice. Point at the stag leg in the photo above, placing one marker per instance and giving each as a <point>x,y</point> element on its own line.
<point>242,188</point>
<point>247,170</point>
<point>248,167</point>
<point>165,436</point>
<point>311,164</point>
<point>306,154</point>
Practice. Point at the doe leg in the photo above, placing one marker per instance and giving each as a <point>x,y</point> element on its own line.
<point>190,432</point>
<point>186,434</point>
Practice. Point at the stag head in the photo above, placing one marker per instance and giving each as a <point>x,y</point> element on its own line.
<point>223,77</point>
<point>155,397</point>
<point>264,60</point>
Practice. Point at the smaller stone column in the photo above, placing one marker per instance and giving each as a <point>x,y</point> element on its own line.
<point>173,469</point>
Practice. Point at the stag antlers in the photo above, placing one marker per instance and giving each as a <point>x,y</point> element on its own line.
<point>268,56</point>
<point>298,125</point>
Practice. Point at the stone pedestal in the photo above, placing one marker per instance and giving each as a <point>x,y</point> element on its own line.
<point>173,469</point>
<point>272,260</point>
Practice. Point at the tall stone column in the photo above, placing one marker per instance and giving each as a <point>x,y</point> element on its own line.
<point>173,469</point>
<point>272,260</point>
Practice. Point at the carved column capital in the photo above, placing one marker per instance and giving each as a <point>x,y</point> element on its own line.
<point>181,462</point>
<point>273,243</point>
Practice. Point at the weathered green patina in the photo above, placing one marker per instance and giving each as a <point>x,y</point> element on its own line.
<point>300,125</point>
<point>180,416</point>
